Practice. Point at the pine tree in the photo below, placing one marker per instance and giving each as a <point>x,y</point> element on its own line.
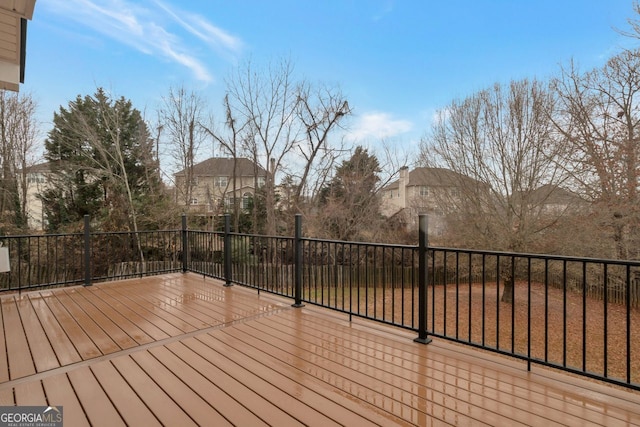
<point>101,155</point>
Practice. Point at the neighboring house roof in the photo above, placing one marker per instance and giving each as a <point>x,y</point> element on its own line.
<point>223,166</point>
<point>40,167</point>
<point>553,195</point>
<point>433,177</point>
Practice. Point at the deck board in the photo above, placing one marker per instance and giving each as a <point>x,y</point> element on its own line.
<point>104,325</point>
<point>36,336</point>
<point>402,372</point>
<point>19,358</point>
<point>96,334</point>
<point>141,312</point>
<point>230,408</point>
<point>237,382</point>
<point>133,335</point>
<point>59,392</point>
<point>486,383</point>
<point>125,400</point>
<point>95,402</point>
<point>62,346</point>
<point>29,393</point>
<point>160,307</point>
<point>352,384</point>
<point>276,388</point>
<point>4,363</point>
<point>189,401</point>
<point>156,399</point>
<point>179,349</point>
<point>81,341</point>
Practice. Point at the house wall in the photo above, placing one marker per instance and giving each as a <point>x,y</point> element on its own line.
<point>9,50</point>
<point>395,199</point>
<point>206,189</point>
<point>36,185</point>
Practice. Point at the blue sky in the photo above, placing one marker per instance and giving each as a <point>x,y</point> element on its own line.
<point>397,62</point>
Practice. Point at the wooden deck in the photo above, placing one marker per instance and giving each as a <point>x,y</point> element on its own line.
<point>181,350</point>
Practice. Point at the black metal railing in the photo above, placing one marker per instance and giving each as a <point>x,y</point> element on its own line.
<point>580,315</point>
<point>53,260</point>
<point>577,314</point>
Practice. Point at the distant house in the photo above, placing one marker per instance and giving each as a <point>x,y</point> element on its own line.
<point>423,190</point>
<point>554,200</point>
<point>212,189</point>
<point>37,181</point>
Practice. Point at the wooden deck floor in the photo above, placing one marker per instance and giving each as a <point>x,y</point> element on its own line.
<point>181,350</point>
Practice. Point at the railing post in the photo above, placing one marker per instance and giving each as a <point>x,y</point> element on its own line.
<point>227,250</point>
<point>184,243</point>
<point>87,251</point>
<point>423,279</point>
<point>297,259</point>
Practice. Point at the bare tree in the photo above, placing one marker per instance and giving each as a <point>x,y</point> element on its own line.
<point>230,140</point>
<point>633,22</point>
<point>267,101</point>
<point>25,137</point>
<point>599,121</point>
<point>320,110</point>
<point>499,144</point>
<point>18,134</point>
<point>181,114</point>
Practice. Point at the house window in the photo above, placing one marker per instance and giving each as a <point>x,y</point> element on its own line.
<point>424,190</point>
<point>35,179</point>
<point>246,199</point>
<point>220,181</point>
<point>194,201</point>
<point>261,181</point>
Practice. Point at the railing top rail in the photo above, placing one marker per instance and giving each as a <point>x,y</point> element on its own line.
<point>262,236</point>
<point>100,233</point>
<point>24,236</point>
<point>353,243</point>
<point>632,263</point>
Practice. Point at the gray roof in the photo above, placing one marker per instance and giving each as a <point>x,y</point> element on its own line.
<point>551,194</point>
<point>40,167</point>
<point>223,166</point>
<point>432,177</point>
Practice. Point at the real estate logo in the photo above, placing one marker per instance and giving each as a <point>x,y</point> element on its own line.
<point>31,416</point>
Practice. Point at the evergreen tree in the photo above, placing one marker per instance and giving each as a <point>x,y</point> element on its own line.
<point>350,205</point>
<point>102,164</point>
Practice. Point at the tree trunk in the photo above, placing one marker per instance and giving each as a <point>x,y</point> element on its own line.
<point>507,293</point>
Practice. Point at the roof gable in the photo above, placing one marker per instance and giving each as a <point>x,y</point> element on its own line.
<point>436,177</point>
<point>223,166</point>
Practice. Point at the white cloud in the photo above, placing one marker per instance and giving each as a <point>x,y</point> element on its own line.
<point>143,28</point>
<point>378,125</point>
<point>198,26</point>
